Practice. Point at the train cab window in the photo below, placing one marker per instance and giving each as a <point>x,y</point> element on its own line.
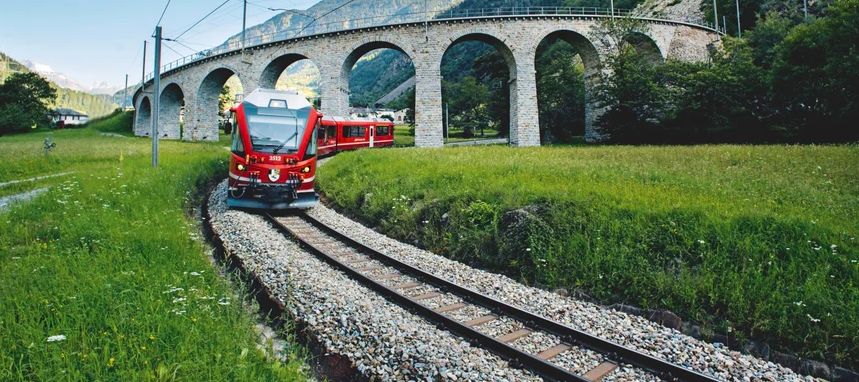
<point>312,144</point>
<point>237,147</point>
<point>354,131</point>
<point>320,132</point>
<point>382,130</point>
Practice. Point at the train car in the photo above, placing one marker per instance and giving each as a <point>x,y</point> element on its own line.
<point>273,151</point>
<point>339,134</point>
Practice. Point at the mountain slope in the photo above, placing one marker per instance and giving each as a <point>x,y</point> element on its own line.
<point>95,105</point>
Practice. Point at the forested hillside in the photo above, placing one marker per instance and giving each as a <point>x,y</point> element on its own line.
<point>93,105</point>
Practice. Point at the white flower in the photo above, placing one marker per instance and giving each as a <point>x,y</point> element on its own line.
<point>56,338</point>
<point>799,303</point>
<point>700,241</point>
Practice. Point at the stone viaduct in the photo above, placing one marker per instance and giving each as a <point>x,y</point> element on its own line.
<point>196,85</point>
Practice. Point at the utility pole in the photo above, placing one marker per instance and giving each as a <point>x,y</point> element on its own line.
<point>725,24</point>
<point>125,94</point>
<point>143,75</point>
<point>739,28</point>
<point>612,8</point>
<point>715,17</point>
<point>446,122</point>
<point>156,96</point>
<point>805,9</point>
<point>244,23</point>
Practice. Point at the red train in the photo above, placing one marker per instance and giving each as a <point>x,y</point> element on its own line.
<point>339,134</point>
<point>277,139</point>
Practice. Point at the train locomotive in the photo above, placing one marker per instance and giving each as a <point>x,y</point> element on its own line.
<point>273,151</point>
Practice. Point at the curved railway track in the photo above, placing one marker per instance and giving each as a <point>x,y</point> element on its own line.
<point>415,290</point>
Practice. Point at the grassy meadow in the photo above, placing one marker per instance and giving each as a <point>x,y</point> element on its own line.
<point>105,276</point>
<point>752,241</point>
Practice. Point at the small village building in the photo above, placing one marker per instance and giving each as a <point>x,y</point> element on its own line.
<point>63,116</point>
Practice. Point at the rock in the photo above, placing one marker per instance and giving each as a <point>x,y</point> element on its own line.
<point>840,374</point>
<point>628,309</point>
<point>786,360</point>
<point>757,349</point>
<point>691,330</point>
<point>562,292</point>
<point>814,368</point>
<point>667,318</point>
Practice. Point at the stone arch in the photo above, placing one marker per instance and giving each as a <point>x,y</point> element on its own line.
<point>515,86</point>
<point>644,44</point>
<point>591,60</point>
<point>354,54</point>
<point>205,110</point>
<point>170,117</point>
<point>272,72</point>
<point>143,117</point>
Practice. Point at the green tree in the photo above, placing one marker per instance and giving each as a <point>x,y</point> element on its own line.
<point>560,92</point>
<point>632,95</point>
<point>467,105</point>
<point>769,32</point>
<point>815,76</point>
<point>723,100</point>
<point>24,100</point>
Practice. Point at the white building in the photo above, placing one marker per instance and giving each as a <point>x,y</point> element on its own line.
<point>69,117</point>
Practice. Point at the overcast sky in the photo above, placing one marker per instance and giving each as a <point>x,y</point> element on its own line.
<point>101,40</point>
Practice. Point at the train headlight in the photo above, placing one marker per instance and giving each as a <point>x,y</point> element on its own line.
<point>274,175</point>
<point>305,170</point>
<point>241,167</point>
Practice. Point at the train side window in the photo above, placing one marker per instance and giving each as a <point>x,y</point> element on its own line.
<point>237,147</point>
<point>382,130</point>
<point>332,132</point>
<point>354,131</point>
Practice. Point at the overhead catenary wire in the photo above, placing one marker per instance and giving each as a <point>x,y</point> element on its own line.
<point>323,15</point>
<point>201,20</point>
<point>162,13</point>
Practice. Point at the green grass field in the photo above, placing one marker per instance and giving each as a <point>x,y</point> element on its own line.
<point>750,240</point>
<point>109,259</point>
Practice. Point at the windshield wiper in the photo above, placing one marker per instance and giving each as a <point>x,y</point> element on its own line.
<point>284,143</point>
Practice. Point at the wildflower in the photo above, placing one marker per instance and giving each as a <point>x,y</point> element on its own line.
<point>527,249</point>
<point>799,303</point>
<point>56,338</point>
<point>111,362</point>
<point>178,299</point>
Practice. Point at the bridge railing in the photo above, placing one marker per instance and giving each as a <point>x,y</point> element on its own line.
<point>315,27</point>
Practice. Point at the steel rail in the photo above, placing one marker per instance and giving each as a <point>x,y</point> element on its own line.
<point>613,351</point>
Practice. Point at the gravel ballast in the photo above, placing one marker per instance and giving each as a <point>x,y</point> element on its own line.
<point>382,340</point>
<point>628,330</point>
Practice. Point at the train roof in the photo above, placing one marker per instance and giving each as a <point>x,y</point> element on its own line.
<point>285,99</point>
<point>357,122</point>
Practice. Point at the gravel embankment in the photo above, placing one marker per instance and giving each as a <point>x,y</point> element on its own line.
<point>383,341</point>
<point>631,331</point>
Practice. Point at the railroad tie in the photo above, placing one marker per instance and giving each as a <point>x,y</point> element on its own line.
<point>408,285</point>
<point>426,296</point>
<point>553,351</point>
<point>370,268</point>
<point>451,307</point>
<point>480,320</point>
<point>510,337</point>
<point>600,371</point>
<point>389,276</point>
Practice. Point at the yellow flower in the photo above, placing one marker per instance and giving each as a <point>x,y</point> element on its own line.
<point>111,361</point>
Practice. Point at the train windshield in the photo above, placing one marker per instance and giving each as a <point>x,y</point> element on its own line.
<point>276,130</point>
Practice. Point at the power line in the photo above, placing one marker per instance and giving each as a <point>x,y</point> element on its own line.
<point>201,20</point>
<point>323,15</point>
<point>174,50</point>
<point>163,12</point>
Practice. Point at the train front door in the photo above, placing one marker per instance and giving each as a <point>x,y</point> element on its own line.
<point>372,135</point>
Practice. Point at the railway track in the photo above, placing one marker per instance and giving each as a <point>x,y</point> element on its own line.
<point>445,304</point>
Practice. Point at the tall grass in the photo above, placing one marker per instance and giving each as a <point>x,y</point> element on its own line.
<point>108,259</point>
<point>751,240</point>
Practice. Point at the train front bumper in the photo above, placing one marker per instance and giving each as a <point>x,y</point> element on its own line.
<point>271,196</point>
